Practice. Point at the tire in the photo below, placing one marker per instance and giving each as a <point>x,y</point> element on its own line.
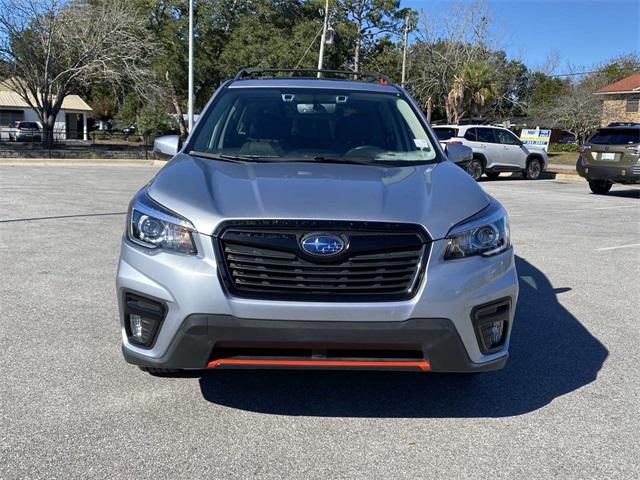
<point>533,170</point>
<point>158,371</point>
<point>600,187</point>
<point>475,169</point>
<point>492,175</point>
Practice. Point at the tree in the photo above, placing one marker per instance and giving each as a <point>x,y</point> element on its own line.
<point>51,48</point>
<point>545,92</point>
<point>618,68</point>
<point>444,46</point>
<point>573,107</point>
<point>513,87</point>
<point>371,19</point>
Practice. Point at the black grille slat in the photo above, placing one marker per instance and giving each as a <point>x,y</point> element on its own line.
<point>378,286</point>
<point>263,261</point>
<point>304,279</point>
<point>275,263</point>
<point>320,271</point>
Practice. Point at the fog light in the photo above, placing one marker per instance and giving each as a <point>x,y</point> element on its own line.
<point>491,323</point>
<point>143,317</point>
<point>492,334</point>
<point>136,326</point>
<point>142,328</point>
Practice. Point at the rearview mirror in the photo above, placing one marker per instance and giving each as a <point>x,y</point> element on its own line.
<point>166,146</point>
<point>458,153</point>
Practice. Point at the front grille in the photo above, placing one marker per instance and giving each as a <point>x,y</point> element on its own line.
<point>382,262</point>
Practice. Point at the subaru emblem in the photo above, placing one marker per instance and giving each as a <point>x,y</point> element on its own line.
<point>323,245</point>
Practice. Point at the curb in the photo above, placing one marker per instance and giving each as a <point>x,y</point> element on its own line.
<point>568,177</point>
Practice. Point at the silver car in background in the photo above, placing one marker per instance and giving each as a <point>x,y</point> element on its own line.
<point>495,150</point>
<point>314,223</point>
<point>25,131</point>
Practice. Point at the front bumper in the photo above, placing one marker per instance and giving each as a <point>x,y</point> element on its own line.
<point>201,314</point>
<point>629,174</point>
<point>197,336</point>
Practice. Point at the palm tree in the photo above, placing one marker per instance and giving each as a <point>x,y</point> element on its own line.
<point>479,87</point>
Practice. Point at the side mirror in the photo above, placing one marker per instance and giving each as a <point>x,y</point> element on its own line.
<point>458,153</point>
<point>167,146</point>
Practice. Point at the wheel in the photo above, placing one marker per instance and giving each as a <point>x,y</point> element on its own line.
<point>600,187</point>
<point>158,371</point>
<point>492,175</point>
<point>533,170</point>
<point>475,169</point>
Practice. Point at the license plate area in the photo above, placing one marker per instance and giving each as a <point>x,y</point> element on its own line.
<point>607,156</point>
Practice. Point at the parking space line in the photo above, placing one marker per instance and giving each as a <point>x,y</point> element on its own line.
<point>617,206</point>
<point>616,248</point>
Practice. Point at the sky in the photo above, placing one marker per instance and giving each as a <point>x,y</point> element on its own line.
<point>582,32</point>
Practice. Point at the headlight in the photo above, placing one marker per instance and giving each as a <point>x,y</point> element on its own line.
<point>486,233</point>
<point>153,226</point>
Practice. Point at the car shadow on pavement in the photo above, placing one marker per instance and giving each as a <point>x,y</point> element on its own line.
<point>552,354</point>
<point>627,193</point>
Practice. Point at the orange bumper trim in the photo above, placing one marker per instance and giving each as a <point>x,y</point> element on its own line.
<point>221,362</point>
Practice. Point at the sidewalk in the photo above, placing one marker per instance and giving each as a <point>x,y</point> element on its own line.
<point>562,167</point>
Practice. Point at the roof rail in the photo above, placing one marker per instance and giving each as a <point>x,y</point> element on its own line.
<point>312,73</point>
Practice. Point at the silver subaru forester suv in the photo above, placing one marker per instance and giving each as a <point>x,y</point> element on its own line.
<point>314,223</point>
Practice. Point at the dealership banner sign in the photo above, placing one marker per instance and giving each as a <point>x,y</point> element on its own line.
<point>536,138</point>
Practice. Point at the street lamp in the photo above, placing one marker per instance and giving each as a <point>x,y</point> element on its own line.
<point>324,37</point>
<point>190,101</point>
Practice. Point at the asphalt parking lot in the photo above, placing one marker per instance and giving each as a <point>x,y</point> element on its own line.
<point>565,406</point>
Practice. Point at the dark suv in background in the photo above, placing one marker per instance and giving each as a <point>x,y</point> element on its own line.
<point>611,155</point>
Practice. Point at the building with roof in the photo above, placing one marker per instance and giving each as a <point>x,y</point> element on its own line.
<point>620,100</point>
<point>71,122</point>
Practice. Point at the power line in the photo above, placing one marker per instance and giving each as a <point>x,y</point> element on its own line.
<point>574,74</point>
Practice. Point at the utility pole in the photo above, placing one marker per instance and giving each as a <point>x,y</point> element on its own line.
<point>190,102</point>
<point>404,50</point>
<point>324,37</point>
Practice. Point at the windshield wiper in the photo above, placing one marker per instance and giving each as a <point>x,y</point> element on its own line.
<point>321,159</point>
<point>232,158</point>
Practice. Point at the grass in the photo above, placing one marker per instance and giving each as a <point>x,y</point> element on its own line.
<point>565,158</point>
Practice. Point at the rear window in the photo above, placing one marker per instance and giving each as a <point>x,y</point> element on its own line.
<point>444,133</point>
<point>26,125</point>
<point>616,136</point>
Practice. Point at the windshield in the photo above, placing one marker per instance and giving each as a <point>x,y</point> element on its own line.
<point>278,124</point>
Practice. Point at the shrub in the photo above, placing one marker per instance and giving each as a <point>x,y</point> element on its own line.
<point>563,147</point>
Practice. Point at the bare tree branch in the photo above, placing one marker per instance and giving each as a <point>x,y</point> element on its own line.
<point>51,48</point>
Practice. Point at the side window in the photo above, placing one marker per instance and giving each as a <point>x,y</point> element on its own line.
<point>486,135</point>
<point>445,133</point>
<point>632,104</point>
<point>506,138</point>
<point>471,135</point>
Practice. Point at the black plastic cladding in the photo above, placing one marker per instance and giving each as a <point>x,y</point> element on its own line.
<point>233,236</point>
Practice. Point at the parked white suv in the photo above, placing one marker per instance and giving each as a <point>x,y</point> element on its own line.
<point>495,150</point>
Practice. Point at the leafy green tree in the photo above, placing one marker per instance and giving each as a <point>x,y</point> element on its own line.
<point>371,20</point>
<point>619,68</point>
<point>546,91</point>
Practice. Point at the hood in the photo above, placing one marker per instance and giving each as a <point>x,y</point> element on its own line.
<point>207,192</point>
